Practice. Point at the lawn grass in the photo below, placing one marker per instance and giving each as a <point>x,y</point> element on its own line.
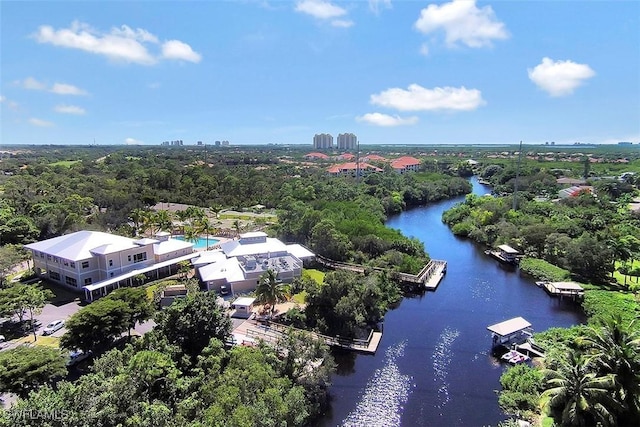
<point>45,341</point>
<point>150,290</point>
<point>620,278</point>
<point>65,163</point>
<point>314,274</point>
<point>547,421</point>
<point>300,298</point>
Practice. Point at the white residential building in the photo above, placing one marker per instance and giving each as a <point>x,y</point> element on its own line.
<point>99,262</point>
<point>347,141</point>
<point>322,141</point>
<point>239,264</point>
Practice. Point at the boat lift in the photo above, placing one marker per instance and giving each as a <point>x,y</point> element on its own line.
<point>512,331</point>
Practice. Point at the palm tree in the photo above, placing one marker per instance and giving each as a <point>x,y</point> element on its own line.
<point>203,225</point>
<point>191,233</point>
<point>162,220</point>
<point>577,395</point>
<point>614,348</point>
<point>270,291</point>
<point>137,217</point>
<point>236,226</point>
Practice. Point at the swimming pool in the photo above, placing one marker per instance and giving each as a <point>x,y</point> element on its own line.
<point>201,243</point>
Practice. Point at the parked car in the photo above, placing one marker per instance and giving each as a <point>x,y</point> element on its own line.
<point>77,356</point>
<point>52,327</point>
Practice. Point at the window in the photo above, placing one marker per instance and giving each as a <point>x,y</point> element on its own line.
<point>85,264</point>
<point>129,258</point>
<point>71,281</point>
<point>66,263</point>
<point>110,263</point>
<point>111,274</point>
<point>54,275</point>
<point>87,281</point>
<point>48,257</point>
<point>142,256</point>
<point>72,264</point>
<point>56,259</point>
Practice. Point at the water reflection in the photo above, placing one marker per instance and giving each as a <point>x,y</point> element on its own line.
<point>384,396</point>
<point>442,356</point>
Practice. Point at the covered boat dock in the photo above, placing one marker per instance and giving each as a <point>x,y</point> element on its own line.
<point>512,331</point>
<point>572,290</point>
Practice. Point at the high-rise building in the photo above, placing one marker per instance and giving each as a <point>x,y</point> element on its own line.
<point>347,141</point>
<point>323,141</point>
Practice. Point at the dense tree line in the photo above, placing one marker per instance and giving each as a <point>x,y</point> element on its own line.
<point>584,235</point>
<point>590,376</point>
<point>180,374</point>
<point>345,304</point>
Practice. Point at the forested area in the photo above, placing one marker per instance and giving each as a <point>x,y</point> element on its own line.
<point>175,376</point>
<point>184,372</point>
<point>46,194</point>
<point>591,374</point>
<point>179,374</point>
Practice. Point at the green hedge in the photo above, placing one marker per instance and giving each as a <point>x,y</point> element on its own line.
<point>541,269</point>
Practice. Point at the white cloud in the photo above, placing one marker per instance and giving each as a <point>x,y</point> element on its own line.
<point>342,23</point>
<point>69,109</point>
<point>386,120</point>
<point>154,85</point>
<point>120,44</point>
<point>320,9</point>
<point>175,49</point>
<point>32,84</point>
<point>462,22</point>
<point>424,49</point>
<point>58,88</point>
<point>67,89</point>
<point>417,98</point>
<point>376,5</point>
<point>132,141</point>
<point>137,34</point>
<point>9,103</point>
<point>40,122</point>
<point>559,78</point>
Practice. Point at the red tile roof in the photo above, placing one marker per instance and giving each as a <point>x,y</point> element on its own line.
<point>403,162</point>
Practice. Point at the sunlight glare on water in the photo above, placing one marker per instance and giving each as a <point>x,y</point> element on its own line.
<point>384,397</point>
<point>441,359</point>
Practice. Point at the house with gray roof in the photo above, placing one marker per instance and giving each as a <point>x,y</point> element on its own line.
<point>240,263</point>
<point>97,262</point>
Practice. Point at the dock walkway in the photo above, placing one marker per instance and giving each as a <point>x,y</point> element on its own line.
<point>428,278</point>
<point>272,332</point>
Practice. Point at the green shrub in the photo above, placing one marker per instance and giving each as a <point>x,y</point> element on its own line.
<point>462,229</point>
<point>541,269</point>
<point>601,305</point>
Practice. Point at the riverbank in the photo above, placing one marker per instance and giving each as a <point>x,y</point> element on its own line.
<point>434,365</point>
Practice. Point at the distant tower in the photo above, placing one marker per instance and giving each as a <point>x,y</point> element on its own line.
<point>323,141</point>
<point>347,141</point>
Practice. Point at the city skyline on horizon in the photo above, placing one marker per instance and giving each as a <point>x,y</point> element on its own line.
<point>259,72</point>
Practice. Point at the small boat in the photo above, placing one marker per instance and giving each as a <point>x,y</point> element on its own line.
<point>541,283</point>
<point>514,357</point>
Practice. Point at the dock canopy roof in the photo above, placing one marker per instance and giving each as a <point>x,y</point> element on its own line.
<point>509,327</point>
<point>567,286</point>
<point>508,249</point>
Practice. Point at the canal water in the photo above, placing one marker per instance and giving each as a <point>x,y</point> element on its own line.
<point>434,366</point>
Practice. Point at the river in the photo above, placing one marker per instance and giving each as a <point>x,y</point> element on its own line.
<point>433,366</point>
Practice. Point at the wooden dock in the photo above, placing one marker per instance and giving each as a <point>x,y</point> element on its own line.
<point>250,331</point>
<point>571,290</point>
<point>428,278</point>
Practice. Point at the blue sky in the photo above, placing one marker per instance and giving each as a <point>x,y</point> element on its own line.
<point>254,72</point>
